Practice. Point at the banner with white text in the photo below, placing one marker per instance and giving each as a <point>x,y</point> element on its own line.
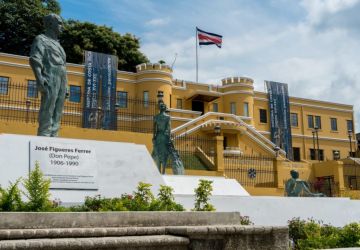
<point>280,116</point>
<point>100,91</point>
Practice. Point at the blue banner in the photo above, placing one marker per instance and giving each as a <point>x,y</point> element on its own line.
<point>108,77</point>
<point>100,91</point>
<point>280,116</point>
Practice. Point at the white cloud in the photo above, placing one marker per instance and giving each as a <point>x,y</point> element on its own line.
<point>156,22</point>
<point>316,63</point>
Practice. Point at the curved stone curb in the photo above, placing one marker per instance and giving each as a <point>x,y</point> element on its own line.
<point>12,234</point>
<point>127,242</point>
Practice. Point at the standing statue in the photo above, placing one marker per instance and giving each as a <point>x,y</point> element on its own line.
<point>163,147</point>
<point>296,187</point>
<point>48,62</point>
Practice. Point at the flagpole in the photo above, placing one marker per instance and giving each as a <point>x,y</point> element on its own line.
<point>197,63</point>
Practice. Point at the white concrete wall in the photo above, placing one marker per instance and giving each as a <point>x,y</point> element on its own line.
<point>276,211</point>
<point>121,166</point>
<point>185,184</point>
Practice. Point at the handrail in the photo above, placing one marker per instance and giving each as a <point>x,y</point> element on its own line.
<point>249,129</point>
<point>204,157</point>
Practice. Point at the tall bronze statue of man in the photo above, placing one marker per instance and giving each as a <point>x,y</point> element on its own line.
<point>48,62</point>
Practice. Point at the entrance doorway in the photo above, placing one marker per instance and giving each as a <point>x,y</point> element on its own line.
<point>296,154</point>
<point>198,106</point>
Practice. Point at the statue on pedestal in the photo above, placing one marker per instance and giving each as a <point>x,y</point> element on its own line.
<point>48,62</point>
<point>296,187</point>
<point>163,147</point>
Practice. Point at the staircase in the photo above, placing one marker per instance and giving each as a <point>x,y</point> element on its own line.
<point>136,231</point>
<point>215,118</point>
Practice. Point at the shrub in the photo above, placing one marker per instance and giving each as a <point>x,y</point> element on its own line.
<point>166,200</point>
<point>202,196</point>
<point>315,235</point>
<point>99,203</point>
<point>143,198</point>
<point>10,198</point>
<point>349,236</point>
<point>37,190</point>
<point>245,220</point>
<point>296,229</point>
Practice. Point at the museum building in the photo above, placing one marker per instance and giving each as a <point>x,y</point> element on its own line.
<point>219,129</point>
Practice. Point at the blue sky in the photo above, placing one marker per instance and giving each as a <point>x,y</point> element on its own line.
<point>313,45</point>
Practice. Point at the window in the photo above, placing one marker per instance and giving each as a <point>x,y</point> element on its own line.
<point>4,85</point>
<point>146,99</point>
<point>333,123</point>
<point>215,107</point>
<point>296,154</point>
<point>263,116</point>
<point>233,108</point>
<point>349,125</point>
<point>294,120</point>
<point>179,104</point>
<point>315,157</point>
<point>314,122</point>
<point>246,109</point>
<point>32,89</point>
<point>310,121</point>
<point>75,93</point>
<point>336,154</point>
<point>318,122</point>
<point>122,99</point>
<point>352,182</point>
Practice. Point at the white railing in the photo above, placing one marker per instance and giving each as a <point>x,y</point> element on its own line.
<point>250,131</point>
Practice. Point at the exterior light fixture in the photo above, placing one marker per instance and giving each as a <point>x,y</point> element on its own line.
<point>277,149</point>
<point>217,129</point>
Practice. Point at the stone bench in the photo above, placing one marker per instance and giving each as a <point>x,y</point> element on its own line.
<point>32,220</point>
<point>14,234</point>
<point>158,242</point>
<point>136,230</point>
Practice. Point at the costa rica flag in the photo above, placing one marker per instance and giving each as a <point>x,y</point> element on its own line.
<point>207,38</point>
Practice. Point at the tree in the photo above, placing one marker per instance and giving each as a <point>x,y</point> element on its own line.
<point>79,36</point>
<point>37,190</point>
<point>21,21</point>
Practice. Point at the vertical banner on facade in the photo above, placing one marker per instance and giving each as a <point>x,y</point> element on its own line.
<point>91,95</point>
<point>100,91</point>
<point>280,116</point>
<point>108,76</point>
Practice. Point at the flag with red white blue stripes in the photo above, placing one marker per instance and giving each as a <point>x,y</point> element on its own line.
<point>207,38</point>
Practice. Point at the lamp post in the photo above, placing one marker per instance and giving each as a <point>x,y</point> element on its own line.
<point>28,103</point>
<point>350,134</point>
<point>313,133</point>
<point>99,117</point>
<point>316,131</point>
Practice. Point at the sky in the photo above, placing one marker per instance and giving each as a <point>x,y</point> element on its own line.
<point>312,45</point>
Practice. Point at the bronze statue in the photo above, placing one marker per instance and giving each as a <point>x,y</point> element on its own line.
<point>296,187</point>
<point>163,147</point>
<point>48,62</point>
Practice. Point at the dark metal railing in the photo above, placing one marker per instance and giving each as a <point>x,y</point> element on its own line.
<point>19,103</point>
<point>193,150</point>
<point>325,185</point>
<point>352,176</point>
<point>249,170</point>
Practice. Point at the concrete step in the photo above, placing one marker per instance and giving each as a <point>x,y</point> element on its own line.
<point>13,234</point>
<point>158,242</point>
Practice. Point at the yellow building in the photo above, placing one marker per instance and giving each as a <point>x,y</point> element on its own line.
<point>230,122</point>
